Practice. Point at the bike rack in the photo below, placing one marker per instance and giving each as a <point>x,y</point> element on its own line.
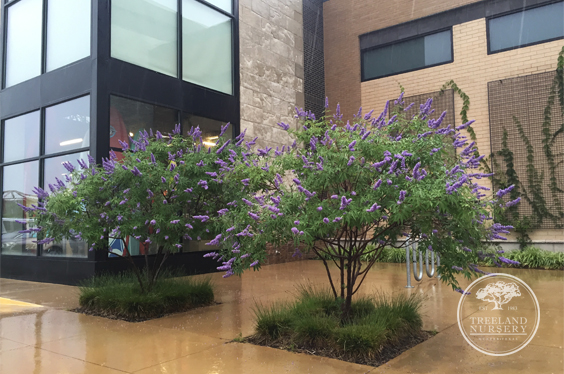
<point>418,270</point>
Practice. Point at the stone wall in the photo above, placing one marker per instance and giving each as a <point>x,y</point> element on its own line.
<point>271,67</point>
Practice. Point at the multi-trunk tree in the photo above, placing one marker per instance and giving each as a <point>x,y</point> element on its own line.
<point>347,190</point>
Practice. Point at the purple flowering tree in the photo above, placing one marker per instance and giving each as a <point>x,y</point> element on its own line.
<point>346,190</point>
<point>167,189</point>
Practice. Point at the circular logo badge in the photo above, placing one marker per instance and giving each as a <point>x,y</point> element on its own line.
<point>499,314</point>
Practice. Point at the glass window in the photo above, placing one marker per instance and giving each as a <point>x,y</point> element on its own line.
<point>144,33</point>
<point>19,181</point>
<point>68,32</point>
<point>222,4</point>
<point>23,44</point>
<point>54,167</point>
<point>429,50</point>
<point>21,137</point>
<point>528,27</point>
<point>67,126</point>
<point>206,47</point>
<point>210,128</point>
<point>128,117</point>
<point>135,247</point>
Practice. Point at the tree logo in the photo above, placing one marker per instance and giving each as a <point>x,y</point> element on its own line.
<point>499,293</point>
<point>498,314</point>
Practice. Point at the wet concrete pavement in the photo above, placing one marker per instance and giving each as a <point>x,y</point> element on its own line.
<point>39,335</point>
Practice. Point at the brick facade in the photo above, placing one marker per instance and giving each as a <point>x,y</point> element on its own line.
<point>471,70</point>
<point>345,20</point>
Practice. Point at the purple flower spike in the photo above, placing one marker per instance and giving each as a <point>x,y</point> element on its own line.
<point>351,146</point>
<point>373,208</point>
<point>462,291</point>
<point>284,126</point>
<point>254,264</point>
<point>295,230</point>
<point>326,220</point>
<point>319,208</point>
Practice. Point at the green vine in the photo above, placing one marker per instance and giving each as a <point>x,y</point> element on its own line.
<point>532,192</point>
<point>465,104</point>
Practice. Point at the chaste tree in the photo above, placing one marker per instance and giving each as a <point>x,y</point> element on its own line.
<point>164,190</point>
<point>347,190</point>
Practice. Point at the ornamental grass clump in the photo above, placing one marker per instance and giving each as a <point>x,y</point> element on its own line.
<point>119,296</point>
<point>347,190</point>
<point>162,191</point>
<point>313,323</point>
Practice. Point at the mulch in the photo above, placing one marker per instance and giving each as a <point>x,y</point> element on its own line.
<point>386,354</point>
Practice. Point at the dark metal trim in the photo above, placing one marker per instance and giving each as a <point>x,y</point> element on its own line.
<point>451,17</point>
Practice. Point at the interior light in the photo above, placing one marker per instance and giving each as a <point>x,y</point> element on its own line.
<point>211,144</point>
<point>69,142</point>
<point>213,137</point>
<point>131,134</point>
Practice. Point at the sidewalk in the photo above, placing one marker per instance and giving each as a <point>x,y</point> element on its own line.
<point>39,335</point>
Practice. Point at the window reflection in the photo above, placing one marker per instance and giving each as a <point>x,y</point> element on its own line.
<point>128,117</point>
<point>144,33</point>
<point>21,137</point>
<point>210,128</point>
<point>18,183</point>
<point>206,47</point>
<point>53,168</point>
<point>528,27</point>
<point>23,41</point>
<point>67,126</point>
<point>68,32</point>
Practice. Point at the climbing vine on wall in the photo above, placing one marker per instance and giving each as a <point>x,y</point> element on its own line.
<point>544,208</point>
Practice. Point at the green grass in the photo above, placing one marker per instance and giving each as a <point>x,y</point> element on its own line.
<point>313,322</point>
<point>532,258</point>
<point>119,296</point>
<point>529,258</point>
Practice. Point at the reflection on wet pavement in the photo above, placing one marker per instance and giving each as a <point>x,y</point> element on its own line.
<point>39,335</point>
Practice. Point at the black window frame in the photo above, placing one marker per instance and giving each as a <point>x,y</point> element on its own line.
<point>418,36</point>
<point>525,9</point>
<point>42,156</point>
<point>43,62</point>
<point>233,16</point>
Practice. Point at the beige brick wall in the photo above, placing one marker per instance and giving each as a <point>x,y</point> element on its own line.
<point>271,67</point>
<point>471,70</point>
<point>345,20</point>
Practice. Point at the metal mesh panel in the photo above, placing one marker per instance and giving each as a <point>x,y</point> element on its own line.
<point>440,104</point>
<point>524,99</point>
<point>314,66</point>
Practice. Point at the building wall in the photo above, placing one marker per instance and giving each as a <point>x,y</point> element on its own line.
<point>345,20</point>
<point>272,68</point>
<point>471,70</point>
